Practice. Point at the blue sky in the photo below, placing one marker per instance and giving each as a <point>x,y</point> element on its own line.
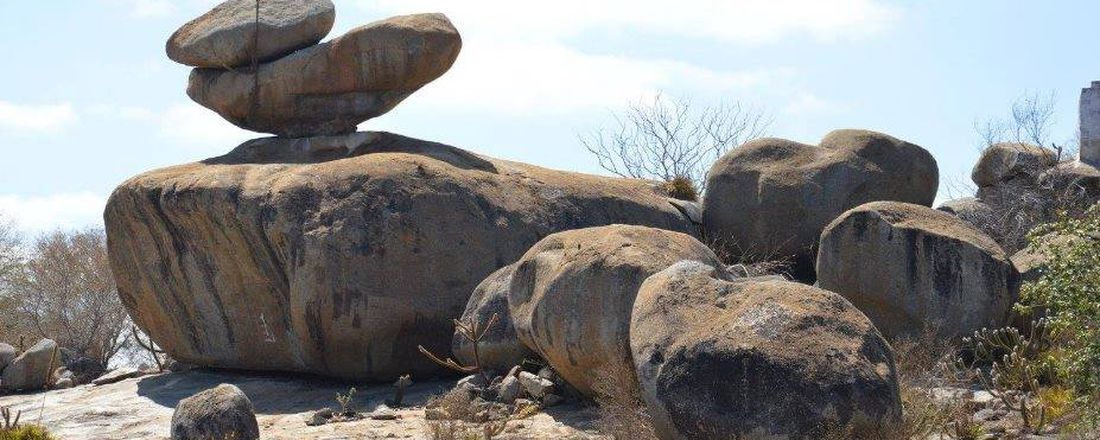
<point>88,98</point>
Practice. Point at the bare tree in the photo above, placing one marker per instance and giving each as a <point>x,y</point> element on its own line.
<point>10,261</point>
<point>1030,121</point>
<point>65,291</point>
<point>672,139</point>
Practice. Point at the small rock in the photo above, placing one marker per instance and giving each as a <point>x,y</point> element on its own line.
<point>509,390</point>
<point>320,417</point>
<point>474,380</point>
<point>989,415</point>
<point>982,397</point>
<point>383,412</point>
<point>535,386</point>
<point>117,375</point>
<point>178,367</point>
<point>550,400</point>
<point>64,383</point>
<point>217,413</point>
<point>7,354</point>
<point>943,394</point>
<point>548,374</point>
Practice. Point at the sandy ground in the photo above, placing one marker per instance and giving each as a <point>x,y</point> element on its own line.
<point>142,409</point>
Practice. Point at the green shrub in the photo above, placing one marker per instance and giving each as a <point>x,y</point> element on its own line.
<point>1068,293</point>
<point>27,432</point>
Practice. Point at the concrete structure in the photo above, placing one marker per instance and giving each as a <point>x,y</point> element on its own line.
<point>1089,114</point>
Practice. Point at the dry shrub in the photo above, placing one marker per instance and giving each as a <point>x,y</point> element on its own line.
<point>755,262</point>
<point>681,188</point>
<point>28,432</point>
<point>623,413</point>
<point>457,430</point>
<point>457,404</point>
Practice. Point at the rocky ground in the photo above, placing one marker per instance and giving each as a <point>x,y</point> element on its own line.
<point>141,409</point>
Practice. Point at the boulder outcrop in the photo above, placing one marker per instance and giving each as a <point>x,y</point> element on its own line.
<point>773,197</point>
<point>332,87</point>
<point>501,348</point>
<point>909,267</point>
<point>573,292</point>
<point>223,412</point>
<point>226,37</point>
<point>1008,161</point>
<point>721,358</point>
<point>31,370</point>
<point>339,257</point>
<point>7,354</point>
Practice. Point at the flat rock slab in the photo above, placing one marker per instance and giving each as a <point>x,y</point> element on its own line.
<point>118,375</point>
<point>331,88</point>
<point>225,37</point>
<point>141,409</point>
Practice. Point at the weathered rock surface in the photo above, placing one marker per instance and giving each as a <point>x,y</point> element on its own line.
<point>7,354</point>
<point>330,88</point>
<point>500,349</point>
<point>339,262</point>
<point>719,358</point>
<point>1007,161</point>
<point>223,412</point>
<point>773,197</point>
<point>909,267</point>
<point>118,375</point>
<point>33,369</point>
<point>572,294</point>
<point>225,37</point>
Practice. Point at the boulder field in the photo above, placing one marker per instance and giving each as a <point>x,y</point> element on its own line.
<point>338,256</point>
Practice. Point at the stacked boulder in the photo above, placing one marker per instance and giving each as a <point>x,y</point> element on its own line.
<point>713,356</point>
<point>262,69</point>
<point>1021,186</point>
<point>324,250</point>
<point>771,198</point>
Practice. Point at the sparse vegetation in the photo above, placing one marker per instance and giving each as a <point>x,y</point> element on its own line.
<point>623,413</point>
<point>673,140</point>
<point>473,332</point>
<point>346,402</point>
<point>12,430</point>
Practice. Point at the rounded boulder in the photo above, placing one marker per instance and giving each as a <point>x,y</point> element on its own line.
<point>501,348</point>
<point>752,358</point>
<point>223,412</point>
<point>225,37</point>
<point>773,197</point>
<point>572,294</point>
<point>910,268</point>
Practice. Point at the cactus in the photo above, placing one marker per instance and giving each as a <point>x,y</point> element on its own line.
<point>472,332</point>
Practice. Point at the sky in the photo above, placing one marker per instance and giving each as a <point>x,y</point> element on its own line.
<point>88,97</point>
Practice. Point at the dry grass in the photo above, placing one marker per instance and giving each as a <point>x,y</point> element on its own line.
<point>457,404</point>
<point>27,432</point>
<point>457,430</point>
<point>623,413</point>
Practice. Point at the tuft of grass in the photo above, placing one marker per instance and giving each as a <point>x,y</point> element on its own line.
<point>681,188</point>
<point>26,432</point>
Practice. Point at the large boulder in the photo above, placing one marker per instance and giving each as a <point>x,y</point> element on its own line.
<point>722,358</point>
<point>909,268</point>
<point>225,37</point>
<point>572,294</point>
<point>1008,161</point>
<point>333,87</point>
<point>7,354</point>
<point>33,369</point>
<point>501,348</point>
<point>223,412</point>
<point>773,197</point>
<point>338,256</point>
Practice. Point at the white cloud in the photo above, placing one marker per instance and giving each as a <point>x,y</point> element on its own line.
<point>35,118</point>
<point>808,103</point>
<point>738,21</point>
<point>146,8</point>
<point>548,77</point>
<point>527,57</point>
<point>37,214</point>
<point>200,130</point>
